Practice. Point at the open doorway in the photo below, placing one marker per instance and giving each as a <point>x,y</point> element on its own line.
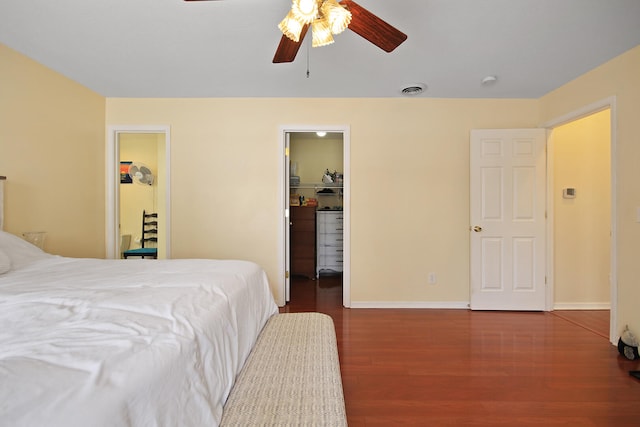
<point>140,189</point>
<point>127,199</point>
<point>316,209</point>
<point>582,220</point>
<point>316,226</point>
<point>601,114</point>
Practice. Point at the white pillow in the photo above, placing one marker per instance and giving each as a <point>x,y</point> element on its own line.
<point>5,262</point>
<point>19,251</point>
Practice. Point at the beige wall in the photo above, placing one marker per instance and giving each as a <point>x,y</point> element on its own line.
<point>225,159</point>
<point>582,246</point>
<point>619,77</point>
<point>52,143</point>
<point>412,154</point>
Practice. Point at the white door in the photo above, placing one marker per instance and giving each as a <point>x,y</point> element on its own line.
<point>508,179</point>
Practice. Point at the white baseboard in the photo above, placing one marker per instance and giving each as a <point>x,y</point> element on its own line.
<point>464,305</point>
<point>582,306</point>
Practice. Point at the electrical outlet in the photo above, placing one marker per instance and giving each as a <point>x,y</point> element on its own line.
<point>433,279</point>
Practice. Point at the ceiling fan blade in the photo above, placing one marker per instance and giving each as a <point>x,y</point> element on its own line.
<point>372,28</point>
<point>288,49</point>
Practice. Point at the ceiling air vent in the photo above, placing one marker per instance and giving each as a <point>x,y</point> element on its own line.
<point>413,89</point>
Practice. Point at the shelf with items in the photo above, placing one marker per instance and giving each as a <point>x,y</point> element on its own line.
<point>316,186</point>
<point>321,195</point>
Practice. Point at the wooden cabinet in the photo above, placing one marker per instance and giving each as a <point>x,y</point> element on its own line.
<point>330,238</point>
<point>302,247</point>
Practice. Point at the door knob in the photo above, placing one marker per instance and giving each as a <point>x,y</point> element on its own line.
<point>477,228</point>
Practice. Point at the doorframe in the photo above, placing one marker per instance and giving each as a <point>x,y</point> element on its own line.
<point>113,188</point>
<point>283,245</point>
<point>603,104</point>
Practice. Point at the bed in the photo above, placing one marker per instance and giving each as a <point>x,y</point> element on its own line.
<point>88,342</point>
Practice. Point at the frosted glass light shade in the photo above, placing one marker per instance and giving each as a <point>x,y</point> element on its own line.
<point>305,11</point>
<point>291,27</point>
<point>339,18</point>
<point>321,33</point>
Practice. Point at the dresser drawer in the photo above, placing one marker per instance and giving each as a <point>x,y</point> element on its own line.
<point>333,217</point>
<point>303,212</point>
<point>330,227</point>
<point>326,262</point>
<point>330,239</point>
<point>334,251</point>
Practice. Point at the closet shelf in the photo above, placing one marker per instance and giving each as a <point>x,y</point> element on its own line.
<point>317,186</point>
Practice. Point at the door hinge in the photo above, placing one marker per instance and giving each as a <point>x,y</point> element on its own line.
<point>286,151</point>
<point>286,274</point>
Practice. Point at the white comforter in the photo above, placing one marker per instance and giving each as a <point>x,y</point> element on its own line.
<point>87,342</point>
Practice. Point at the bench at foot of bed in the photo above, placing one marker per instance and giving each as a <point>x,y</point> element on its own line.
<point>292,376</point>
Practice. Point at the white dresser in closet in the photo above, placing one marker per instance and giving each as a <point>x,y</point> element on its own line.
<point>329,239</point>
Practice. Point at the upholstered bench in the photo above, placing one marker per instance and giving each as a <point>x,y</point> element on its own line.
<point>291,378</point>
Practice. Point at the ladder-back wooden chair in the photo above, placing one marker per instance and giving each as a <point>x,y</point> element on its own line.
<point>149,235</point>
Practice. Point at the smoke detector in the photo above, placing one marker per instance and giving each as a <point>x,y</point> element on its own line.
<point>489,81</point>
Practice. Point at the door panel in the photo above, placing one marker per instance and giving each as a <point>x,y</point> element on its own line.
<point>507,172</point>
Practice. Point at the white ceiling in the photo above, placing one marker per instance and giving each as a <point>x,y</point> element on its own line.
<point>172,48</point>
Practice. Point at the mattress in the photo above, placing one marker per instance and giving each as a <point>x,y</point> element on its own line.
<point>125,342</point>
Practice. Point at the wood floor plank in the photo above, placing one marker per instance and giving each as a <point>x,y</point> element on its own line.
<point>462,368</point>
<point>596,321</point>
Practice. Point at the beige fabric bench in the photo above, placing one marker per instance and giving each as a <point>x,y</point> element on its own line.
<point>291,378</point>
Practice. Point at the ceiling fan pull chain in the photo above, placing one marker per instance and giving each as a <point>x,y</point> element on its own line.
<point>308,50</point>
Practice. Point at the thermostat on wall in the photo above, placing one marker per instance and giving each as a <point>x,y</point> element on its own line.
<point>568,193</point>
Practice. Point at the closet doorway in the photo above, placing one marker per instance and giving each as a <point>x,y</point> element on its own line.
<point>580,154</point>
<point>126,198</point>
<point>599,124</point>
<point>315,195</point>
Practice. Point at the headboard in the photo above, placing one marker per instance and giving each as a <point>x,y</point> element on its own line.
<point>2,179</point>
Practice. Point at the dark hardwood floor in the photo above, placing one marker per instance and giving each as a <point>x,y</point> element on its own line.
<point>596,321</point>
<point>429,367</point>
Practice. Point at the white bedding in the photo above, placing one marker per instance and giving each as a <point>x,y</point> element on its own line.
<point>86,342</point>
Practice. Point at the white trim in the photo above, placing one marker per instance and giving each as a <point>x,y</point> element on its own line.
<point>582,306</point>
<point>550,274</point>
<point>282,243</point>
<point>587,110</point>
<point>580,113</point>
<point>112,188</point>
<point>458,305</point>
<point>2,179</point>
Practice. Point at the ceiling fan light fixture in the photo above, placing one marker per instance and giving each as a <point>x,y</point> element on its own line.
<point>291,27</point>
<point>321,32</point>
<point>339,18</point>
<point>328,17</point>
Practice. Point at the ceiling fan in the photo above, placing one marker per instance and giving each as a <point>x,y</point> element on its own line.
<point>359,20</point>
